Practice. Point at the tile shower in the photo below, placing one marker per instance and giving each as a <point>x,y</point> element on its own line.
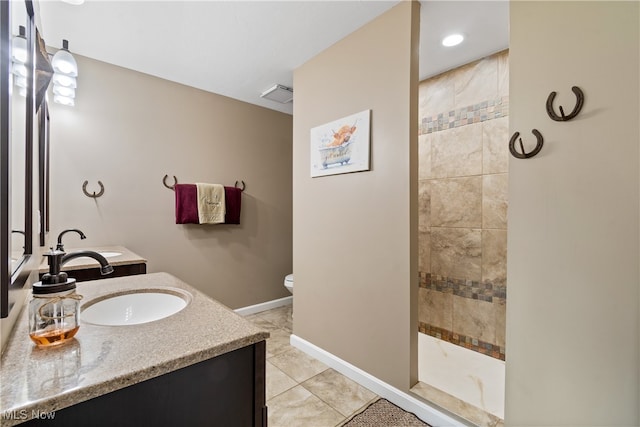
<point>463,165</point>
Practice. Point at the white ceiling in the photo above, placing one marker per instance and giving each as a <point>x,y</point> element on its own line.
<point>241,48</point>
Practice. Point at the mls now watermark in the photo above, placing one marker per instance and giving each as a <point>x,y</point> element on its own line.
<point>23,415</point>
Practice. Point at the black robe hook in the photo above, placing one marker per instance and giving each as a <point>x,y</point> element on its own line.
<point>524,154</point>
<point>243,185</point>
<point>562,117</point>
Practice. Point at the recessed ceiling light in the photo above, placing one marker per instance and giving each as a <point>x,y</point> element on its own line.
<point>73,2</point>
<point>452,40</point>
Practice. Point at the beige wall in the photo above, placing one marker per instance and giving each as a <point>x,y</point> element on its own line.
<point>355,235</point>
<point>572,318</point>
<point>462,200</point>
<point>130,129</point>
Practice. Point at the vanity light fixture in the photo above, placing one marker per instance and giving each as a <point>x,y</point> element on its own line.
<point>64,78</point>
<point>19,47</point>
<point>278,93</point>
<point>18,61</point>
<point>452,40</point>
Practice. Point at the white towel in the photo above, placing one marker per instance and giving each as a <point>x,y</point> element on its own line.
<point>211,203</point>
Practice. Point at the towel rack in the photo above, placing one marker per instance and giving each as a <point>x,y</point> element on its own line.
<point>170,187</point>
<point>175,180</point>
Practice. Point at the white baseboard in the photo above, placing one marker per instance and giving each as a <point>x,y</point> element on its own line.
<point>426,413</point>
<point>257,308</point>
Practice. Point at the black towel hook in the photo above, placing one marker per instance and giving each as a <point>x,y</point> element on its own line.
<point>170,187</point>
<point>562,117</point>
<point>94,195</point>
<point>524,154</point>
<point>243,185</point>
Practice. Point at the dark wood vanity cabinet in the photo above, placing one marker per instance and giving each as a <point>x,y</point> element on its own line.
<point>84,274</point>
<point>226,391</point>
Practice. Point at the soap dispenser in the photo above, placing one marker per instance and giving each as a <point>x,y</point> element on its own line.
<point>54,308</point>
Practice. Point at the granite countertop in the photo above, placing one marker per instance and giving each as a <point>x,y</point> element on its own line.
<point>101,359</point>
<point>126,257</point>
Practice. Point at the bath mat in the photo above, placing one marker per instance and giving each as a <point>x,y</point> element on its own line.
<point>383,413</point>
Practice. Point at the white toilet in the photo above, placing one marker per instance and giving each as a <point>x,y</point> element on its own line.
<point>288,283</point>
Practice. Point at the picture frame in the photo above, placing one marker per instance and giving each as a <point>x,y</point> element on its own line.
<point>341,146</point>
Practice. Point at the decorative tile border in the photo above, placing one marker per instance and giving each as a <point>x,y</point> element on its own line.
<point>463,288</point>
<point>474,344</point>
<point>477,113</point>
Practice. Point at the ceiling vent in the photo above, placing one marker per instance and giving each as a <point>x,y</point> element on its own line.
<point>278,93</point>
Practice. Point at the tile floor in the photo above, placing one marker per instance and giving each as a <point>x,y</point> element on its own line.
<point>301,391</point>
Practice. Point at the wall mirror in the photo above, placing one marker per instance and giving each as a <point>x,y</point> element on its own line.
<point>17,108</point>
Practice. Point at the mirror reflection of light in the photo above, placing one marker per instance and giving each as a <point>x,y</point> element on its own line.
<point>64,91</point>
<point>128,313</point>
<point>62,80</point>
<point>19,69</point>
<point>21,81</point>
<point>19,49</point>
<point>64,100</point>
<point>63,62</point>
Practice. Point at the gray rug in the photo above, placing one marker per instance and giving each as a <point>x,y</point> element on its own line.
<point>383,413</point>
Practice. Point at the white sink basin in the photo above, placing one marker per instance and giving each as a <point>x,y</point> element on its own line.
<point>135,307</point>
<point>108,254</point>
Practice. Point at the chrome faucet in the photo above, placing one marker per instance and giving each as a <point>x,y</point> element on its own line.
<point>60,246</point>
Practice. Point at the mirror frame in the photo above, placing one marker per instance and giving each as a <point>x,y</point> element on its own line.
<point>43,170</point>
<point>11,283</point>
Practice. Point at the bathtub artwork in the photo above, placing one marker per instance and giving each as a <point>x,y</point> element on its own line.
<point>341,146</point>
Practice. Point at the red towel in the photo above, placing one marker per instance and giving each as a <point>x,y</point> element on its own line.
<point>186,204</point>
<point>233,199</point>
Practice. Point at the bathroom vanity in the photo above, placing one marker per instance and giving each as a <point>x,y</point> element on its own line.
<point>124,262</point>
<point>204,365</point>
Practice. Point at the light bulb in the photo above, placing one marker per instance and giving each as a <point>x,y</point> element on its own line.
<point>21,81</point>
<point>62,80</point>
<point>64,100</point>
<point>452,40</point>
<point>19,69</point>
<point>63,62</point>
<point>64,91</point>
<point>19,49</point>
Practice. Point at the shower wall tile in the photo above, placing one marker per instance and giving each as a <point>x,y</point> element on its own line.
<point>436,308</point>
<point>424,205</point>
<point>474,318</point>
<point>456,202</point>
<point>500,308</point>
<point>436,95</point>
<point>494,201</point>
<point>424,251</point>
<point>495,148</point>
<point>503,73</point>
<point>462,205</point>
<point>476,82</point>
<point>456,253</point>
<point>494,257</point>
<point>424,156</point>
<point>457,152</point>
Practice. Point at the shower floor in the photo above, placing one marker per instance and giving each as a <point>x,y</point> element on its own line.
<point>462,381</point>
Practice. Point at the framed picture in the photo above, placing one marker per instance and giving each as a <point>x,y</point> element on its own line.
<point>341,146</point>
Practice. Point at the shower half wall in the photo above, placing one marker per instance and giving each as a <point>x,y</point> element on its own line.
<point>463,165</point>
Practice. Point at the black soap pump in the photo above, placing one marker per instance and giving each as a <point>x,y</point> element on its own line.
<point>54,308</point>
